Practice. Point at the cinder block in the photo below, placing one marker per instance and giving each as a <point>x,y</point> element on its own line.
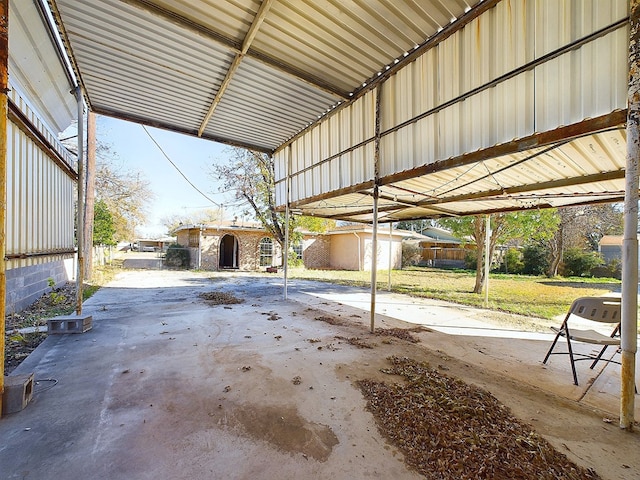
<point>18,390</point>
<point>69,324</point>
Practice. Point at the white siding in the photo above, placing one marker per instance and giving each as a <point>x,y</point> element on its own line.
<point>40,196</point>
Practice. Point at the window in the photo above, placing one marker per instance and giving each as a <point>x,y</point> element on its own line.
<point>297,249</point>
<point>194,238</point>
<point>266,252</point>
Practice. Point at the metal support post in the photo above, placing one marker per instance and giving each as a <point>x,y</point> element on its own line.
<point>629,326</point>
<point>374,259</point>
<point>4,105</point>
<point>487,260</point>
<point>80,202</point>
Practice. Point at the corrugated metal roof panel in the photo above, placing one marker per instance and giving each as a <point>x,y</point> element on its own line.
<point>585,170</point>
<point>143,68</point>
<point>452,120</point>
<point>163,62</point>
<point>262,106</point>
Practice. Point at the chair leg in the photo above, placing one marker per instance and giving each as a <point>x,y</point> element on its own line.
<point>555,340</point>
<point>597,359</point>
<point>573,362</point>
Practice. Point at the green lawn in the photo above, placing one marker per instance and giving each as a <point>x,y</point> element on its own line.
<point>526,295</point>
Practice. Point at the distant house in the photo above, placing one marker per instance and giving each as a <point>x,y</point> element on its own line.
<point>229,246</point>
<point>250,247</point>
<point>351,248</point>
<point>439,248</point>
<point>610,247</point>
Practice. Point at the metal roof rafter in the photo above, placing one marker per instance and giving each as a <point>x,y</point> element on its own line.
<point>246,43</point>
<point>235,47</point>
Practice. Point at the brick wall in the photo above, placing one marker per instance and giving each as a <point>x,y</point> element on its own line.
<point>316,251</point>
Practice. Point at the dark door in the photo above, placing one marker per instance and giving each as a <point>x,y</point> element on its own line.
<point>229,252</point>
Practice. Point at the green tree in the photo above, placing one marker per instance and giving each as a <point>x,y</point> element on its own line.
<point>535,258</point>
<point>580,263</point>
<point>125,192</point>
<point>103,229</point>
<point>512,261</point>
<point>251,175</point>
<point>518,226</point>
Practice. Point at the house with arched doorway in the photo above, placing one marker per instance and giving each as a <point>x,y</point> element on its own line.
<point>251,247</point>
<point>230,246</point>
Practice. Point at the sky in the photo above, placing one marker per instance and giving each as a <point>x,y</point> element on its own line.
<point>134,150</point>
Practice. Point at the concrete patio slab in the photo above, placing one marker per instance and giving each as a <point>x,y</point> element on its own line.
<point>166,386</point>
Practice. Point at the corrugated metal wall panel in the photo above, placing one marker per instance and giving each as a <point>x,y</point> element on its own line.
<point>579,84</point>
<point>584,83</point>
<point>558,23</point>
<point>40,195</point>
<point>319,173</point>
<point>39,199</point>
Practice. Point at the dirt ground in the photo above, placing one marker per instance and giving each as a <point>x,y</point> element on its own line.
<point>197,386</point>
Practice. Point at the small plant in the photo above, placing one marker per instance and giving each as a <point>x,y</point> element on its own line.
<point>55,296</point>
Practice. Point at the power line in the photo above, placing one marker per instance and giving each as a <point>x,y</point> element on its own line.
<point>178,169</point>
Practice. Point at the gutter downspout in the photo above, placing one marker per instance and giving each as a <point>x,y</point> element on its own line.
<point>359,252</point>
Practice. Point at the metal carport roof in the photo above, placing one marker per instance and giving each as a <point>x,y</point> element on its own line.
<point>249,73</point>
<point>258,73</point>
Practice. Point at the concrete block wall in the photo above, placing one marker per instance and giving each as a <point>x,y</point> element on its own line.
<point>27,284</point>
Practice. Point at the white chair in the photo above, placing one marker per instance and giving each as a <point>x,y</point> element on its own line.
<point>585,310</point>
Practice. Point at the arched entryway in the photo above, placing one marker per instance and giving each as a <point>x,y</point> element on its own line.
<point>229,252</point>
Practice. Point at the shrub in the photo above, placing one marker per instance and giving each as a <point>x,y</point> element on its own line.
<point>535,260</point>
<point>580,263</point>
<point>293,261</point>
<point>471,259</point>
<point>410,254</point>
<point>512,261</point>
<point>177,256</point>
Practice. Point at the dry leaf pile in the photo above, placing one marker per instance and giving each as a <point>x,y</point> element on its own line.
<point>356,341</point>
<point>220,298</point>
<point>329,320</point>
<point>448,429</point>
<point>401,333</point>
